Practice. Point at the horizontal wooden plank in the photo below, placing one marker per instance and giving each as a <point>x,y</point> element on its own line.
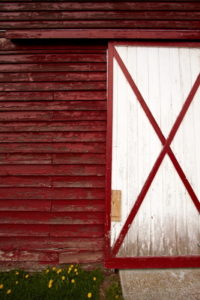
<point>46,58</point>
<point>54,159</point>
<point>102,1</point>
<point>81,95</point>
<point>53,126</point>
<point>53,244</point>
<point>101,15</point>
<point>99,24</point>
<point>54,170</point>
<point>25,205</point>
<point>18,158</point>
<point>53,67</point>
<point>53,116</point>
<point>81,257</point>
<point>46,96</point>
<point>53,86</point>
<point>57,206</point>
<point>53,105</point>
<point>78,206</point>
<point>47,45</point>
<point>76,230</point>
<point>26,96</point>
<point>31,137</point>
<point>53,181</point>
<point>51,217</point>
<point>51,193</point>
<point>119,33</point>
<point>53,76</point>
<point>12,230</point>
<point>46,50</point>
<point>53,148</point>
<point>46,230</point>
<point>96,5</point>
<point>33,256</point>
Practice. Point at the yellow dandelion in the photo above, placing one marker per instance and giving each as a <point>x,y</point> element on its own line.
<point>89,295</point>
<point>94,278</point>
<point>26,276</point>
<point>76,273</point>
<point>1,286</point>
<point>75,270</point>
<point>50,283</point>
<point>72,281</point>
<point>59,271</point>
<point>16,273</point>
<point>54,268</point>
<point>16,282</point>
<point>63,277</point>
<point>71,266</point>
<point>47,271</point>
<point>8,291</point>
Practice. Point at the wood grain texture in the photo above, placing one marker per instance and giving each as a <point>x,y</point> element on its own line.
<point>53,116</point>
<point>55,95</point>
<point>53,148</point>
<point>52,137</point>
<point>52,58</point>
<point>102,33</point>
<point>56,105</point>
<point>54,159</point>
<point>54,230</point>
<point>57,76</point>
<point>100,15</point>
<point>102,24</point>
<point>52,152</point>
<point>50,67</point>
<point>97,15</point>
<point>167,222</point>
<point>52,86</point>
<point>97,5</point>
<point>51,217</point>
<point>55,244</point>
<point>50,181</point>
<point>51,193</point>
<point>63,126</point>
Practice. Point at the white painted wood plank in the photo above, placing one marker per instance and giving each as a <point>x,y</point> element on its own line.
<point>167,222</point>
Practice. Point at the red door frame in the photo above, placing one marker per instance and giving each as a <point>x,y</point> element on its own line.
<point>111,261</point>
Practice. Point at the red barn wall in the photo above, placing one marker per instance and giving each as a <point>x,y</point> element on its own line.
<point>52,152</point>
<point>53,124</point>
<point>168,14</point>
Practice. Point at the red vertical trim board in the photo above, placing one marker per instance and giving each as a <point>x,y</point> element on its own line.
<point>109,150</point>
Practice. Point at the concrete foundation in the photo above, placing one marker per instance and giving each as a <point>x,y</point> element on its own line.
<point>176,284</point>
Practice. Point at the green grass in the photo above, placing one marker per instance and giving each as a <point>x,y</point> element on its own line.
<point>72,283</point>
<point>114,290</point>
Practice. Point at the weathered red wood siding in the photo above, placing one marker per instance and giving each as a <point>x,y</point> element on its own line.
<point>157,14</point>
<point>52,152</point>
<point>53,115</point>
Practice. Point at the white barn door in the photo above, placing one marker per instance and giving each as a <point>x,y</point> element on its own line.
<point>155,151</point>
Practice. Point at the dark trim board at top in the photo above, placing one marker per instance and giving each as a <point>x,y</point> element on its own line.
<point>102,34</point>
<point>111,259</point>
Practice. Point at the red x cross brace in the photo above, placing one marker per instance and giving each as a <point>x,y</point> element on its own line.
<point>165,150</point>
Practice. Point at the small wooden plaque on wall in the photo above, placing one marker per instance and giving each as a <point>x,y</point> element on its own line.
<point>116,206</point>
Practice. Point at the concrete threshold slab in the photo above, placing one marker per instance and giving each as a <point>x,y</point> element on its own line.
<point>161,284</point>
